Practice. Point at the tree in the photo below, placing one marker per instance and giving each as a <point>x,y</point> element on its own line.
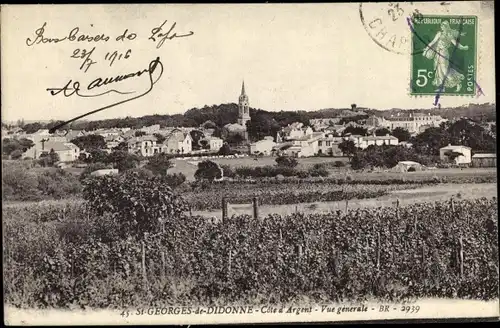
<point>348,148</point>
<point>197,136</point>
<point>54,157</point>
<point>160,138</point>
<point>358,130</point>
<point>16,154</point>
<point>286,161</point>
<point>235,139</point>
<point>139,133</point>
<point>401,133</point>
<point>122,146</point>
<point>225,150</point>
<point>91,141</point>
<point>122,160</point>
<point>208,170</point>
<point>159,164</point>
<point>453,155</point>
<point>382,132</point>
<point>204,144</point>
<point>137,204</point>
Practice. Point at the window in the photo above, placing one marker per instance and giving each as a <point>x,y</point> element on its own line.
<point>320,143</point>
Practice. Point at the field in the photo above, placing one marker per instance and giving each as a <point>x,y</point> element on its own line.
<point>341,238</point>
<point>387,254</point>
<point>184,166</point>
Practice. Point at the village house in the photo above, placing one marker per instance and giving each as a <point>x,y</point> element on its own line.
<point>294,131</point>
<point>151,129</point>
<point>328,145</point>
<point>67,151</point>
<point>215,143</point>
<point>264,146</point>
<point>457,154</point>
<point>177,142</point>
<point>144,145</point>
<point>72,134</point>
<point>367,141</point>
<point>113,141</point>
<point>484,160</point>
<point>414,123</point>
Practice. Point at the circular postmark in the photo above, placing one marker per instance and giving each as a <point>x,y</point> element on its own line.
<point>389,24</point>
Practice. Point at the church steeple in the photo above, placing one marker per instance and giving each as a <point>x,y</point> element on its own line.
<point>243,107</point>
<point>243,88</point>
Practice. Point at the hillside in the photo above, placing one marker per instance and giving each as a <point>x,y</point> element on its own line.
<point>228,113</point>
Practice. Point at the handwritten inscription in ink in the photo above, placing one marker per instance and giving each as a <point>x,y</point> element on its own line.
<point>88,55</point>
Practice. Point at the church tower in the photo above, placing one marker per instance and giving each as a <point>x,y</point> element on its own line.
<point>243,107</point>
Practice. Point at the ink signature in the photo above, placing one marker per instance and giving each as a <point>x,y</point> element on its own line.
<point>73,88</point>
<point>156,33</point>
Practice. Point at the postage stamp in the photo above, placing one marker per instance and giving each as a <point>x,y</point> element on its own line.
<point>448,63</point>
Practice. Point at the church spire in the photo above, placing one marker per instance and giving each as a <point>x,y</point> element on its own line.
<point>243,88</point>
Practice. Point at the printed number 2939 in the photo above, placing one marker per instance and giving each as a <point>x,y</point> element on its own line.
<point>410,308</point>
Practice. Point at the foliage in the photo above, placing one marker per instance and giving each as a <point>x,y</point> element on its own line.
<point>90,141</point>
<point>174,180</point>
<point>160,138</point>
<point>58,184</point>
<point>225,150</point>
<point>286,161</point>
<point>387,254</point>
<point>388,156</point>
<point>382,132</point>
<point>208,170</point>
<point>348,148</point>
<point>402,134</point>
<point>462,132</point>
<point>48,159</point>
<point>355,130</point>
<point>197,137</point>
<point>139,204</point>
<point>139,133</point>
<point>9,146</point>
<point>123,160</point>
<point>159,163</point>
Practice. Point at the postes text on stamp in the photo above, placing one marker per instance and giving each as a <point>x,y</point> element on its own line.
<point>448,63</point>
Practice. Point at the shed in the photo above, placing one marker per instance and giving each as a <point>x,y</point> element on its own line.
<point>484,160</point>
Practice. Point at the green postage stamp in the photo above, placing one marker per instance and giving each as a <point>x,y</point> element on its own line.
<point>444,55</point>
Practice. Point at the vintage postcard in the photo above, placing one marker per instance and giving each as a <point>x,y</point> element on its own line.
<point>249,163</point>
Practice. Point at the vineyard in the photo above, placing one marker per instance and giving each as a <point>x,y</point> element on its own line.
<point>286,193</point>
<point>81,259</point>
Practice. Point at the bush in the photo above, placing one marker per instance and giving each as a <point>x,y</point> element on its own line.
<point>227,171</point>
<point>286,161</point>
<point>339,164</point>
<point>140,205</point>
<point>19,183</point>
<point>208,170</point>
<point>174,180</point>
<point>58,184</point>
<point>320,171</point>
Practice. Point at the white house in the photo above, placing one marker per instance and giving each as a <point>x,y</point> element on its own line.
<point>464,158</point>
<point>262,146</point>
<point>177,142</point>
<point>215,143</point>
<point>144,145</point>
<point>67,151</point>
<point>365,142</point>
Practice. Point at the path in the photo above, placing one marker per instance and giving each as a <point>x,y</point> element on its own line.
<point>406,197</point>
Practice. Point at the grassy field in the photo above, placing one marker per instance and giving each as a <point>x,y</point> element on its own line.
<point>188,166</point>
<point>407,196</point>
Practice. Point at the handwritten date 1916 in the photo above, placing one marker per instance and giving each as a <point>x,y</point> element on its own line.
<point>73,88</point>
<point>156,34</point>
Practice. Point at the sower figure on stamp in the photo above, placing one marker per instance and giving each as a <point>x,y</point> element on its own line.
<point>439,51</point>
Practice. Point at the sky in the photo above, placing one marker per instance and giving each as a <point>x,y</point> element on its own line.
<point>291,57</point>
